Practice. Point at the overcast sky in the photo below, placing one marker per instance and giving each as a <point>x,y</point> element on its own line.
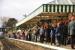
<point>17,8</point>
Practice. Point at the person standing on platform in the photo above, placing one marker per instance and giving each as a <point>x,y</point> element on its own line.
<point>29,35</point>
<point>58,34</point>
<point>47,31</point>
<point>47,35</point>
<point>18,35</point>
<point>33,34</point>
<point>41,31</point>
<point>23,33</point>
<point>53,32</point>
<point>71,30</point>
<point>37,34</point>
<point>26,35</point>
<point>14,35</point>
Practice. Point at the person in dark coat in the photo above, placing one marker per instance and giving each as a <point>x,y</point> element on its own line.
<point>71,31</point>
<point>41,31</point>
<point>47,31</point>
<point>14,35</point>
<point>29,35</point>
<point>65,32</point>
<point>48,35</point>
<point>58,34</point>
<point>37,34</point>
<point>53,33</point>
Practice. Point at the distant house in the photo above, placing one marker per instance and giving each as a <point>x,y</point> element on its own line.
<point>1,31</point>
<point>2,20</point>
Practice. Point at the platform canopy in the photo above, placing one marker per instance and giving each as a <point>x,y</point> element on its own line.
<point>47,11</point>
<point>62,2</point>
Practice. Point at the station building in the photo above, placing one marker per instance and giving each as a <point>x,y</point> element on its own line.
<point>50,12</point>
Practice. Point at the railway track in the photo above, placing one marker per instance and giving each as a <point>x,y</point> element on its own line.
<point>9,46</point>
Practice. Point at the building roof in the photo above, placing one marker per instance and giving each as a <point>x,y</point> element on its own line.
<point>71,2</point>
<point>39,10</point>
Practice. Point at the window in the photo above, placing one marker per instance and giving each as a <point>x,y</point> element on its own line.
<point>73,8</point>
<point>53,8</point>
<point>65,8</point>
<point>50,8</point>
<point>57,8</point>
<point>43,7</point>
<point>69,8</point>
<point>46,8</point>
<point>2,29</point>
<point>61,8</point>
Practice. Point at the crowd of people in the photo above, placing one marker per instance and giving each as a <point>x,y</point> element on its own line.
<point>60,33</point>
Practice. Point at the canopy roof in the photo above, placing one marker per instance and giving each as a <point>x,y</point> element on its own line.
<point>62,2</point>
<point>55,6</point>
